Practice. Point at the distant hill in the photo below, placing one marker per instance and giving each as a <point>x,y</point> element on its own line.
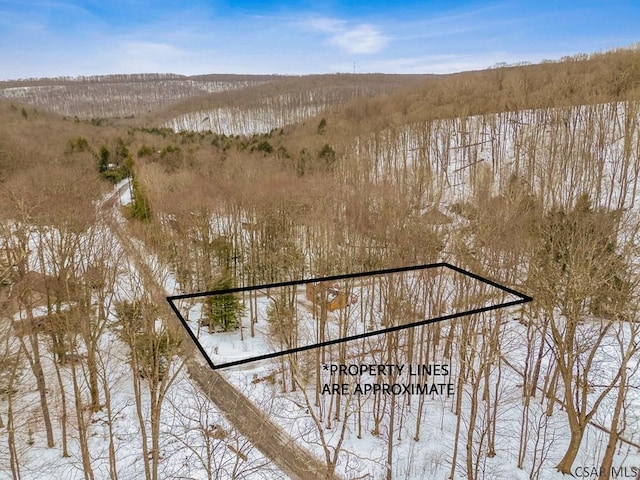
<point>122,96</point>
<point>247,104</point>
<point>111,96</point>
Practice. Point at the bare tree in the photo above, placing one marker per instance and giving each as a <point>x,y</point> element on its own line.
<point>579,272</point>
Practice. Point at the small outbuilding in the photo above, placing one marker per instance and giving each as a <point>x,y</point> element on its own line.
<point>331,296</point>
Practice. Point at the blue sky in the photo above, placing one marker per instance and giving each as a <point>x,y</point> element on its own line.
<point>42,38</point>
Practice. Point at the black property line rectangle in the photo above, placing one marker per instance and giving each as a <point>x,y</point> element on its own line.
<point>522,299</point>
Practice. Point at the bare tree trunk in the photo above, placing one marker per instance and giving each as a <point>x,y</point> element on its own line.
<point>156,406</point>
<point>492,409</point>
<point>82,428</point>
<point>392,344</point>
<point>550,391</point>
<point>11,434</point>
<point>614,435</point>
<point>615,429</point>
<point>141,420</point>
<point>565,464</point>
<point>392,416</point>
<point>422,358</point>
<point>36,368</point>
<point>471,426</point>
<point>113,468</point>
<point>524,432</point>
<point>63,404</point>
<point>536,371</point>
<point>458,411</point>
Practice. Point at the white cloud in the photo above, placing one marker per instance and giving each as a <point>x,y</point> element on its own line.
<point>362,38</point>
<point>324,24</point>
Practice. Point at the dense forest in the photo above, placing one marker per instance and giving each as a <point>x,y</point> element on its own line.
<point>526,175</point>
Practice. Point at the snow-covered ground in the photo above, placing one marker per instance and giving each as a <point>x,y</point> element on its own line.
<point>195,440</point>
<point>241,121</point>
<point>589,145</point>
<point>430,457</point>
<point>363,454</point>
<point>363,314</point>
<point>189,421</point>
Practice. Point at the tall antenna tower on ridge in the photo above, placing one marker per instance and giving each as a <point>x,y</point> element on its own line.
<point>354,67</point>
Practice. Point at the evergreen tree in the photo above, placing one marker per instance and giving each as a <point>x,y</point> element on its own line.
<point>328,156</point>
<point>140,208</point>
<point>321,126</point>
<point>223,311</point>
<point>103,159</point>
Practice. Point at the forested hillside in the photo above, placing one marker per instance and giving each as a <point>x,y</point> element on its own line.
<point>525,175</point>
